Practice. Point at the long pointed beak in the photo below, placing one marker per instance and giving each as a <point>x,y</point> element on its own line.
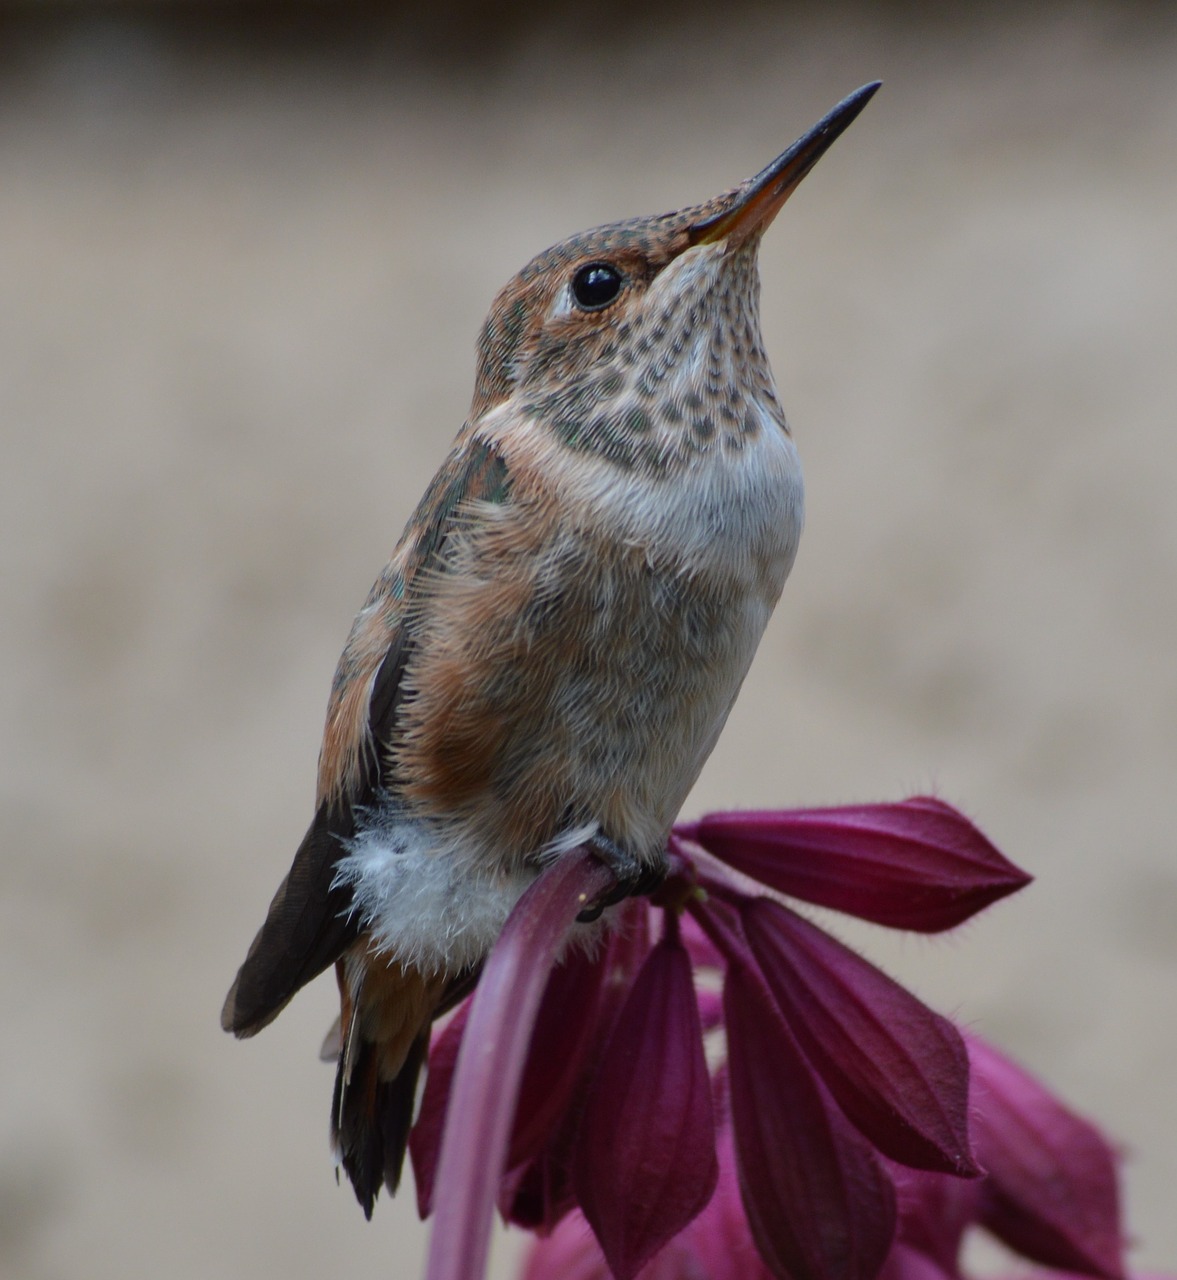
<point>761,197</point>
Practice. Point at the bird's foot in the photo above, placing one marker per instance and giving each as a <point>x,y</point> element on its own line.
<point>635,878</point>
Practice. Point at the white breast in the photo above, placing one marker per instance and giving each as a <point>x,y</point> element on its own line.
<point>732,512</point>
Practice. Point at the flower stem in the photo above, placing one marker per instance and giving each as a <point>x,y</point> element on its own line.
<point>491,1059</point>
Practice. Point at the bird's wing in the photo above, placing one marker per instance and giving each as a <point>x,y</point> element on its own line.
<point>310,923</point>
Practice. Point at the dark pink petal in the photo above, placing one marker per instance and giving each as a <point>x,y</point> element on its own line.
<point>564,1030</point>
<point>918,864</point>
<point>1051,1192</point>
<point>538,1195</point>
<point>644,1163</point>
<point>720,920</point>
<point>899,1071</point>
<point>425,1139</point>
<point>491,1058</point>
<point>717,1245</point>
<point>819,1205</point>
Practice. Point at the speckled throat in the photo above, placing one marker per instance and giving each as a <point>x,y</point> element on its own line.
<point>683,375</point>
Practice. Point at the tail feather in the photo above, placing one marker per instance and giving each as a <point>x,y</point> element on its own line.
<point>386,1015</point>
<point>371,1119</point>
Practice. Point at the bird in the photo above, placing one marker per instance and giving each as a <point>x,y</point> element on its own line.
<point>547,660</point>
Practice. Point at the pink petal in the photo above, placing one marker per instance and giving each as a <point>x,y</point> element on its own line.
<point>491,1059</point>
<point>571,1252</point>
<point>899,1071</point>
<point>1051,1192</point>
<point>918,864</point>
<point>819,1205</point>
<point>536,1194</point>
<point>718,1244</point>
<point>703,952</point>
<point>935,1211</point>
<point>907,1263</point>
<point>425,1139</point>
<point>710,1009</point>
<point>645,1164</point>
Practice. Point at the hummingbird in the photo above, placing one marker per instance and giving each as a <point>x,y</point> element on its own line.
<point>548,659</point>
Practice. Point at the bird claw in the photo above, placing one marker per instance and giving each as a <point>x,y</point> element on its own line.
<point>634,879</point>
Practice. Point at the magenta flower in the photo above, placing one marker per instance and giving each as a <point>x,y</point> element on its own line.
<point>716,1245</point>
<point>1050,1190</point>
<point>589,1089</point>
<point>1050,1193</point>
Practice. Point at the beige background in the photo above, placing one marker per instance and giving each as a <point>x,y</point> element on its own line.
<point>238,299</point>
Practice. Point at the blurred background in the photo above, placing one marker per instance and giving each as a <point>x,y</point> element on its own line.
<point>244,254</point>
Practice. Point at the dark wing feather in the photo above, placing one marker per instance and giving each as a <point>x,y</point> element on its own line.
<point>310,924</point>
<point>307,928</point>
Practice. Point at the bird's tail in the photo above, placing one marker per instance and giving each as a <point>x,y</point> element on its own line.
<point>371,1116</point>
<point>386,1013</point>
<point>386,1010</point>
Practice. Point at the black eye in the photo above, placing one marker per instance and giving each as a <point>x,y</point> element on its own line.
<point>596,285</point>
